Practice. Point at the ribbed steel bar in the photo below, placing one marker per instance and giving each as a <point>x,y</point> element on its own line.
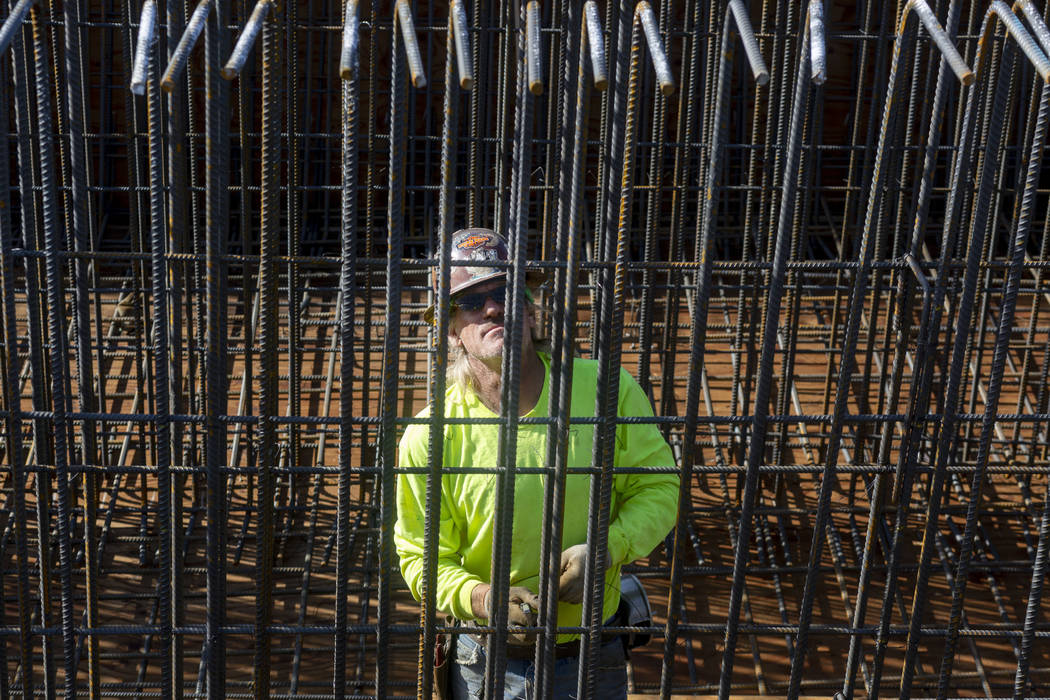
<point>905,297</point>
<point>216,231</point>
<point>178,209</point>
<point>14,450</point>
<point>612,310</point>
<point>246,41</point>
<point>143,45</point>
<point>756,451</point>
<point>13,23</point>
<point>402,38</point>
<point>875,207</point>
<point>736,23</point>
<point>533,50</point>
<point>584,49</point>
<point>56,356</point>
<point>294,197</point>
<point>947,428</point>
<point>269,245</point>
<point>457,47</point>
<point>181,54</point>
<point>1001,12</point>
<point>78,229</point>
<point>519,52</point>
<point>1019,245</point>
<point>1035,596</point>
<point>160,320</point>
<point>314,506</point>
<point>40,448</point>
<point>685,125</point>
<point>349,67</point>
<point>654,197</point>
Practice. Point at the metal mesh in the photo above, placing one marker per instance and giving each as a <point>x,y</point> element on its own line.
<point>816,235</point>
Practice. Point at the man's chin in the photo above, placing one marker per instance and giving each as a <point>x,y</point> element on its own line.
<point>492,348</point>
<point>493,352</point>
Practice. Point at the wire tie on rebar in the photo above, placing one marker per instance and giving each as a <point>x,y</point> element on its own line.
<point>13,23</point>
<point>186,44</point>
<point>656,47</point>
<point>747,37</point>
<point>1023,38</point>
<point>596,44</point>
<point>147,34</point>
<point>408,33</point>
<point>940,38</point>
<point>532,47</point>
<point>348,57</point>
<point>917,271</point>
<point>461,38</point>
<point>817,47</point>
<point>1039,29</point>
<point>246,40</point>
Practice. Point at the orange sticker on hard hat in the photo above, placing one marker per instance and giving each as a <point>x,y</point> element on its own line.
<point>475,241</point>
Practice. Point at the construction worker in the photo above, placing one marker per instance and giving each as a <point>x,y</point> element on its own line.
<point>643,506</point>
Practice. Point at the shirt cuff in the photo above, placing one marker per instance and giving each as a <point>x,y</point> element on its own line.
<point>466,611</point>
<point>619,546</point>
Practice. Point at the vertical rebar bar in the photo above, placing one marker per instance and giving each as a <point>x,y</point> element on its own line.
<point>216,230</point>
<point>14,450</point>
<point>159,278</point>
<point>349,67</point>
<point>56,356</point>
<point>756,452</point>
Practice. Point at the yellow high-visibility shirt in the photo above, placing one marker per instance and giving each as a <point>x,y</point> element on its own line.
<point>643,506</point>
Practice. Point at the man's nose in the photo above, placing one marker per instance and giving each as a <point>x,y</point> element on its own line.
<point>492,308</point>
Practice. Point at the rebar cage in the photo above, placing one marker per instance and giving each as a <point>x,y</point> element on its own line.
<point>816,235</point>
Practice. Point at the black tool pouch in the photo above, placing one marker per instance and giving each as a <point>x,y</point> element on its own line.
<point>634,611</point>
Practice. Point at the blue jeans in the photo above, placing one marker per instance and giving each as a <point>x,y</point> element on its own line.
<point>468,674</point>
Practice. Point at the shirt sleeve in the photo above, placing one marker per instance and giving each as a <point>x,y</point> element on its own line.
<point>454,583</point>
<point>648,502</point>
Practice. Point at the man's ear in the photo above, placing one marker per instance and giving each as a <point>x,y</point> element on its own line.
<point>531,317</point>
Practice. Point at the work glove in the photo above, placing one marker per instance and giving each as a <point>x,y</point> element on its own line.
<point>522,610</point>
<point>573,566</point>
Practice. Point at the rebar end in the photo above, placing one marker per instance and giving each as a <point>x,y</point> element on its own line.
<point>466,83</point>
<point>667,88</point>
<point>137,88</point>
<point>345,72</point>
<point>419,81</point>
<point>762,77</point>
<point>167,85</point>
<point>229,73</point>
<point>536,87</point>
<point>601,83</point>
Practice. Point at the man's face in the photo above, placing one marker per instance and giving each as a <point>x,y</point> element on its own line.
<point>481,332</point>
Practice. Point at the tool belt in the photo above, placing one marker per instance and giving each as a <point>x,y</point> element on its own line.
<point>444,649</point>
<point>634,611</point>
<point>527,652</point>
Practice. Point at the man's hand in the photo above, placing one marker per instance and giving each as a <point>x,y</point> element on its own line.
<point>573,566</point>
<point>522,609</point>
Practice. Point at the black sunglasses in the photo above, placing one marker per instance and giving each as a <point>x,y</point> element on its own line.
<point>476,301</point>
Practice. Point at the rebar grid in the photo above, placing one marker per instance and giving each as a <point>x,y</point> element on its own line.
<point>823,257</point>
